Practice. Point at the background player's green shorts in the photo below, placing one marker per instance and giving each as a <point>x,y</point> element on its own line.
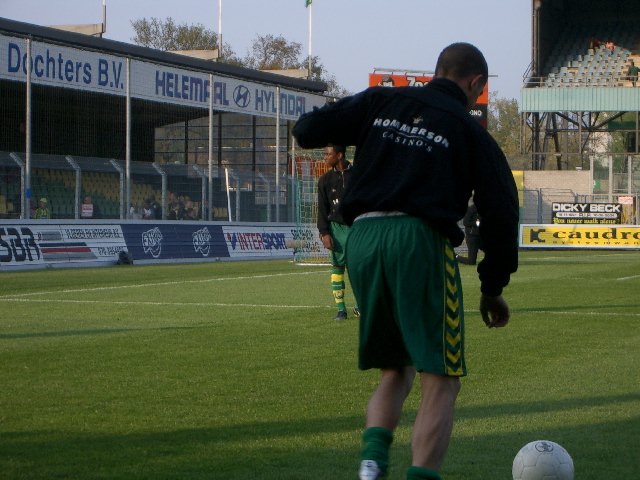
<point>406,280</point>
<point>339,234</point>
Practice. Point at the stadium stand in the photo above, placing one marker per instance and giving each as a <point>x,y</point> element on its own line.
<point>580,57</point>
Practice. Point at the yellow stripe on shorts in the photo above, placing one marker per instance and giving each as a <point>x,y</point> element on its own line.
<point>453,326</point>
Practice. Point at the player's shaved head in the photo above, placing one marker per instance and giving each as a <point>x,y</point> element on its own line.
<point>461,60</point>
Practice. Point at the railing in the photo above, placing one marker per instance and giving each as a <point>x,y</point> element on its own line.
<point>80,187</point>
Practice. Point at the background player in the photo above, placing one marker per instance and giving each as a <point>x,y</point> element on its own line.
<point>331,225</point>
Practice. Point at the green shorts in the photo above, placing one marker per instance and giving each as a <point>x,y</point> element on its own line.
<point>339,233</point>
<point>407,284</point>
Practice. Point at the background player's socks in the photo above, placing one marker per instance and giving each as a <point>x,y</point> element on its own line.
<point>337,285</point>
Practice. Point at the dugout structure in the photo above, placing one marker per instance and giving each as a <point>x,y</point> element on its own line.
<point>579,108</point>
<point>82,115</point>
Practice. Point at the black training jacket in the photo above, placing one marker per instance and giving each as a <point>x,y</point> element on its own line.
<point>419,151</point>
<point>331,187</point>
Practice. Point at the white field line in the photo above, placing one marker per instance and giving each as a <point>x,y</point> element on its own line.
<point>632,277</point>
<point>514,313</point>
<point>156,304</point>
<point>558,257</point>
<point>158,284</point>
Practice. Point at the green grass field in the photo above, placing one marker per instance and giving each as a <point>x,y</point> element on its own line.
<point>237,371</point>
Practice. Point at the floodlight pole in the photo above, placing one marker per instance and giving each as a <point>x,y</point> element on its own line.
<point>310,7</point>
<point>219,28</point>
<point>104,17</point>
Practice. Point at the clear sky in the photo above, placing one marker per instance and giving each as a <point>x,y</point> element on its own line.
<point>351,37</point>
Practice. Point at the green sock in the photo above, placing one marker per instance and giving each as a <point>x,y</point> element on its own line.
<point>421,473</point>
<point>375,446</point>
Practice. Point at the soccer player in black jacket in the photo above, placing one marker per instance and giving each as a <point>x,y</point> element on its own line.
<point>331,226</point>
<point>419,158</point>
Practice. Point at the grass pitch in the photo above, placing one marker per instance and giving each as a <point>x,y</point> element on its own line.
<point>236,370</point>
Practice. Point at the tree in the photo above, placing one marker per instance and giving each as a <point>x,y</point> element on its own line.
<point>167,35</point>
<point>268,52</point>
<point>503,121</point>
<point>273,53</point>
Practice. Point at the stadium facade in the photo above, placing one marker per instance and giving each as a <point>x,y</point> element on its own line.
<point>120,123</point>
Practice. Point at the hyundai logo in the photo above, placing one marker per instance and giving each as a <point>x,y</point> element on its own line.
<point>241,96</point>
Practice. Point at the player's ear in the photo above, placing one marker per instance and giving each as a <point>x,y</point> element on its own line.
<point>475,85</point>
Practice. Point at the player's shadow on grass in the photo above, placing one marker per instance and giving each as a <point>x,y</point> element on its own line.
<point>546,406</point>
<point>90,332</point>
<point>301,449</point>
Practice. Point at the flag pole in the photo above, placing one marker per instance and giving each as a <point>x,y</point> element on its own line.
<point>219,28</point>
<point>310,7</point>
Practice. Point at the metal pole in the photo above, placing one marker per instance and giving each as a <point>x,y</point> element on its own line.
<point>277,154</point>
<point>104,18</point>
<point>310,7</point>
<point>226,176</point>
<point>26,194</point>
<point>237,199</point>
<point>210,163</point>
<point>219,28</point>
<point>629,174</point>
<point>78,190</point>
<point>128,139</point>
<point>163,174</point>
<point>124,210</point>
<point>610,178</point>
<point>294,181</point>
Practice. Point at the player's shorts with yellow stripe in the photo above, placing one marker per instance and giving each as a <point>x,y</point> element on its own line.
<point>406,280</point>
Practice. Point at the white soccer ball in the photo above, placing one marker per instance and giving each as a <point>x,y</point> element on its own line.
<point>542,460</point>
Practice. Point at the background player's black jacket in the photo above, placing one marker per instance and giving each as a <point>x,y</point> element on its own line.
<point>331,187</point>
<point>419,151</point>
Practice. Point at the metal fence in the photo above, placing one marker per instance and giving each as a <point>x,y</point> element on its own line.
<point>180,191</point>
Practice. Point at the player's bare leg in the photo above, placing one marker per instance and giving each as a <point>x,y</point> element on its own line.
<point>383,414</point>
<point>434,422</point>
<point>385,405</point>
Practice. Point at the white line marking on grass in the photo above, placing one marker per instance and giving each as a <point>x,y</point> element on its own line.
<point>158,284</point>
<point>622,279</point>
<point>155,304</point>
<point>568,312</point>
<point>255,305</point>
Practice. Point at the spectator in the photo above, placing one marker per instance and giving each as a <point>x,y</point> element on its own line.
<point>190,210</point>
<point>155,208</point>
<point>147,211</point>
<point>632,73</point>
<point>42,212</point>
<point>89,209</point>
<point>176,210</point>
<point>134,212</point>
<point>610,46</point>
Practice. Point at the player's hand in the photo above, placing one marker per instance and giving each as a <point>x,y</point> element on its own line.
<point>327,241</point>
<point>494,311</point>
